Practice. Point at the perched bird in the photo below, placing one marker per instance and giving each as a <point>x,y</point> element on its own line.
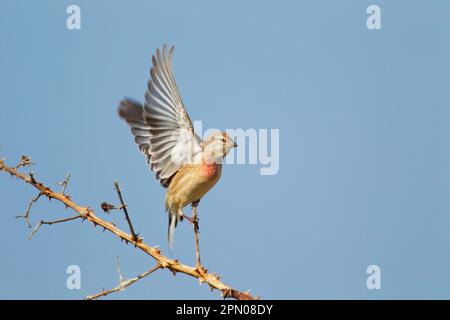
<point>184,164</point>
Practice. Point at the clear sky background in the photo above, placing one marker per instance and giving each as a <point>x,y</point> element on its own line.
<point>364,144</point>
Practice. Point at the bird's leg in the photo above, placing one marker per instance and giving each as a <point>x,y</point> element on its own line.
<point>195,225</point>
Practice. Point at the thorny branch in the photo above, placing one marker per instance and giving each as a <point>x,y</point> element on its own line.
<point>199,272</point>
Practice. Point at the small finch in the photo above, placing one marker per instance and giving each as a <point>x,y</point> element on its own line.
<point>184,164</point>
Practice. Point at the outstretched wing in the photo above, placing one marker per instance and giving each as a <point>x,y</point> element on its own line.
<point>162,127</point>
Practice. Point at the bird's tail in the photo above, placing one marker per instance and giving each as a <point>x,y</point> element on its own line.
<point>173,221</point>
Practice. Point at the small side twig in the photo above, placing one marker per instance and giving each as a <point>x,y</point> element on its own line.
<point>64,183</point>
<point>123,206</point>
<point>36,228</point>
<point>26,216</point>
<point>25,161</point>
<point>123,284</point>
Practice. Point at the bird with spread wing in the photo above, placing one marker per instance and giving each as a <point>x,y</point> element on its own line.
<point>184,164</point>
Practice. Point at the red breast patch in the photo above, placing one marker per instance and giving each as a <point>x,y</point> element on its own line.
<point>209,170</point>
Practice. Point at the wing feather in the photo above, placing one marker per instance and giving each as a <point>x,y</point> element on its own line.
<point>161,126</point>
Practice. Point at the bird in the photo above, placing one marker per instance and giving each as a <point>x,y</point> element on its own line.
<point>187,166</point>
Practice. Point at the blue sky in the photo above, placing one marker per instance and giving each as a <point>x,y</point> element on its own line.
<point>364,150</point>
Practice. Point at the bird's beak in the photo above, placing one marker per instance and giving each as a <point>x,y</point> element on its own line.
<point>234,145</point>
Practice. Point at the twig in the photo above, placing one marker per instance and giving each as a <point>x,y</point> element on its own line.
<point>212,279</point>
<point>36,228</point>
<point>121,278</point>
<point>64,183</point>
<point>26,216</point>
<point>124,208</point>
<point>25,161</point>
<point>123,284</point>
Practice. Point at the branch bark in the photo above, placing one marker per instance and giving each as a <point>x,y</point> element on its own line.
<point>86,213</point>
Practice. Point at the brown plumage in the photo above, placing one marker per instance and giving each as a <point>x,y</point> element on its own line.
<point>187,166</point>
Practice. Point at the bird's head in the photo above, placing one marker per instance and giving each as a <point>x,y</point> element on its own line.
<point>217,146</point>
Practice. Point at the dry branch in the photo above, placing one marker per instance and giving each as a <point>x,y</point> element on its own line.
<point>123,284</point>
<point>26,216</point>
<point>199,272</point>
<point>123,206</point>
<point>36,228</point>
